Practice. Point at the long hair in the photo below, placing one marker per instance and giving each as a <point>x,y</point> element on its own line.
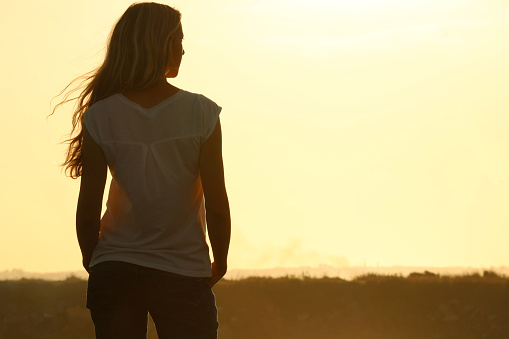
<point>139,52</point>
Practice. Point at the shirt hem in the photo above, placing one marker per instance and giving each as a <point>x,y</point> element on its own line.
<point>196,274</point>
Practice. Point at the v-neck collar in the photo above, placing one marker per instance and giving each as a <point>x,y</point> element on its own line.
<point>150,109</point>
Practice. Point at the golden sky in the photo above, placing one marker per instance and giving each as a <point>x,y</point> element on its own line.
<point>355,132</point>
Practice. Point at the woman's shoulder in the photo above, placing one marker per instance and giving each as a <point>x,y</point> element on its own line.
<point>101,105</point>
<point>203,103</point>
<point>106,102</point>
<point>196,96</point>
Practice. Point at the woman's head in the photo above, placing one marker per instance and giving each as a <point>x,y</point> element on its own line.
<point>144,47</point>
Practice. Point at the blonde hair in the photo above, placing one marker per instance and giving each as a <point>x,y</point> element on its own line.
<point>139,53</point>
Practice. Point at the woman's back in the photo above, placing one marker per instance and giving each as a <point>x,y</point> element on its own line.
<point>155,213</point>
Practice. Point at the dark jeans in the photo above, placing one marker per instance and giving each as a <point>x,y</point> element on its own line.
<point>120,296</point>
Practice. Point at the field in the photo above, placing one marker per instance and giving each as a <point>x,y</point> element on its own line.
<point>368,307</point>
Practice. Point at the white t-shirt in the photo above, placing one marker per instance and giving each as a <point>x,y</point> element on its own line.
<point>155,215</point>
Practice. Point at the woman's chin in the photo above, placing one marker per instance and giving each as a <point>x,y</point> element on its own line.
<point>172,74</point>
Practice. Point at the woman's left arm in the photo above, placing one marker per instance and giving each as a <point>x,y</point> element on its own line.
<point>88,213</point>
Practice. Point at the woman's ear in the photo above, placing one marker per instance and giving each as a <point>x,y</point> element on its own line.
<point>176,53</point>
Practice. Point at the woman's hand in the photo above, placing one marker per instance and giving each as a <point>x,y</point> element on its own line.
<point>86,263</point>
<point>218,272</point>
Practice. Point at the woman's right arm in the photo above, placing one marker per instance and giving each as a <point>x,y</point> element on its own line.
<point>216,202</point>
<point>88,212</point>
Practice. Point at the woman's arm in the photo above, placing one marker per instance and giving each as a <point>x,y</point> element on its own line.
<point>216,202</point>
<point>88,213</point>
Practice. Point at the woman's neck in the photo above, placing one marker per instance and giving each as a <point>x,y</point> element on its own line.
<point>150,97</point>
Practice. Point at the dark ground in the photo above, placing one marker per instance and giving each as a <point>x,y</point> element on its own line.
<point>370,307</point>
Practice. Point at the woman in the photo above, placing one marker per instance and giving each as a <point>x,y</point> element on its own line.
<point>162,145</point>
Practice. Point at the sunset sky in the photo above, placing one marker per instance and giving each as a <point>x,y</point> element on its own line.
<point>366,132</point>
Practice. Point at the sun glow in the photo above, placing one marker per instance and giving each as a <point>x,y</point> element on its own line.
<point>357,131</point>
<point>350,5</point>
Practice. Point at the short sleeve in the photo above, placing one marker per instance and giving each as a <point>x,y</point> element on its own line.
<point>92,125</point>
<point>210,114</point>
